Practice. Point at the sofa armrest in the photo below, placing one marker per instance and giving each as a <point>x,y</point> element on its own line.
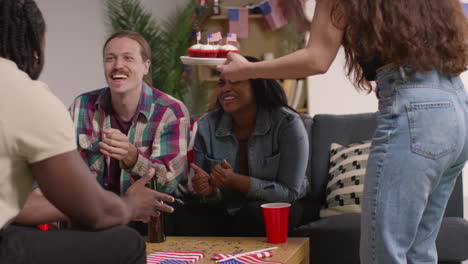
<point>341,234</point>
<point>452,240</point>
<point>455,203</point>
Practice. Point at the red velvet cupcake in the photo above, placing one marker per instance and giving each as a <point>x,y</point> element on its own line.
<point>209,51</point>
<point>225,49</point>
<point>195,51</point>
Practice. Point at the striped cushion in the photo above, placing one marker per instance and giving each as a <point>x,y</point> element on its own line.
<point>346,178</point>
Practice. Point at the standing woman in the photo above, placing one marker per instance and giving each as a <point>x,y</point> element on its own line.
<point>415,51</point>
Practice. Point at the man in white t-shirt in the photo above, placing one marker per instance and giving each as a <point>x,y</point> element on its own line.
<point>37,143</point>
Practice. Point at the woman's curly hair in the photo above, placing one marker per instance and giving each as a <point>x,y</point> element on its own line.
<point>426,34</point>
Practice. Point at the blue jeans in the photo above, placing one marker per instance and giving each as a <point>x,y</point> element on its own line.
<point>418,150</point>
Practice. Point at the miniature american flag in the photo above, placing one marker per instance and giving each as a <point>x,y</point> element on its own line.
<point>164,257</point>
<point>198,36</point>
<point>231,37</point>
<point>216,36</point>
<point>209,38</point>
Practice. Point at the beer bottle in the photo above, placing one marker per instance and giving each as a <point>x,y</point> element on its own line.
<point>156,224</point>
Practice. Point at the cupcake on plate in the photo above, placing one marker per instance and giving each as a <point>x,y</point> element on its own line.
<point>209,51</point>
<point>225,49</point>
<point>195,51</point>
<point>203,51</point>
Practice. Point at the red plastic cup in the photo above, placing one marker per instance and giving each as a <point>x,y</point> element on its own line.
<point>44,227</point>
<point>276,216</point>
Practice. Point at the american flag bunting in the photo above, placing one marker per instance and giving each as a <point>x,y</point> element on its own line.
<point>273,14</point>
<point>239,21</point>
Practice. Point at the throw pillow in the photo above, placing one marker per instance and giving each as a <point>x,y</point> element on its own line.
<point>346,178</point>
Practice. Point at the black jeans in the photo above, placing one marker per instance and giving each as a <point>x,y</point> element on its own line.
<point>25,245</point>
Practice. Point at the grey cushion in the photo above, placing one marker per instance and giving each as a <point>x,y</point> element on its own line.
<point>341,129</point>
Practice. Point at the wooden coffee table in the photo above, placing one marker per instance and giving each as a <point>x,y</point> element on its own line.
<point>294,251</point>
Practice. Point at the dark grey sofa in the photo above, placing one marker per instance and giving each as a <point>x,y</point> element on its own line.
<point>336,239</point>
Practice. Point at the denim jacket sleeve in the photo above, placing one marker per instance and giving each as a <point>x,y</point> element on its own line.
<point>201,145</point>
<point>291,160</point>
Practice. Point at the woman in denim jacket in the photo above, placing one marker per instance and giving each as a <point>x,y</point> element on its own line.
<point>415,51</point>
<point>252,149</point>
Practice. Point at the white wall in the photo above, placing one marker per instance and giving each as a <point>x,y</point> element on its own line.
<point>74,39</point>
<point>76,31</point>
<point>333,92</point>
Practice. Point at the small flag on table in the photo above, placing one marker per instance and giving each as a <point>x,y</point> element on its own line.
<point>231,37</point>
<point>273,14</point>
<point>263,254</point>
<point>247,260</point>
<point>164,257</point>
<point>239,21</point>
<point>198,36</point>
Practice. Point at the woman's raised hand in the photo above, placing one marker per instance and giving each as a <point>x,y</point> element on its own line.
<point>201,182</point>
<point>223,174</point>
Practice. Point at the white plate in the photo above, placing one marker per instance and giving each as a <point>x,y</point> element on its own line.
<point>202,61</point>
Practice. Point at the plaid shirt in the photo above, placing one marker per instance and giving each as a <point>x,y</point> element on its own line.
<point>159,130</point>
